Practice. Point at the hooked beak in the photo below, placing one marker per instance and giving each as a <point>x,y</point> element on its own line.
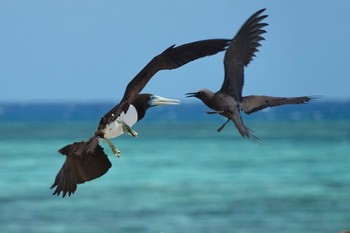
<point>158,100</point>
<point>191,94</point>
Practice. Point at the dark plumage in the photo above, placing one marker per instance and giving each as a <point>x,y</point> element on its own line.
<point>79,168</point>
<point>171,58</point>
<point>228,100</point>
<point>86,160</point>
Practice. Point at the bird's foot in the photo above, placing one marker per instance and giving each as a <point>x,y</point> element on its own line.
<point>220,128</point>
<point>114,149</point>
<point>215,112</point>
<point>128,129</point>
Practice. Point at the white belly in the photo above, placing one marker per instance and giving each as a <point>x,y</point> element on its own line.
<point>115,129</point>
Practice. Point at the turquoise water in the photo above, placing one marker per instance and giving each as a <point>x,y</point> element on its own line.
<point>182,176</point>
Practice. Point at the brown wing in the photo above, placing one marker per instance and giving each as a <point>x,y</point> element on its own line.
<point>241,52</point>
<point>171,58</point>
<point>81,165</point>
<point>254,103</point>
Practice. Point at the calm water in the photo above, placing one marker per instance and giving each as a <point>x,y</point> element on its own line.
<point>180,176</point>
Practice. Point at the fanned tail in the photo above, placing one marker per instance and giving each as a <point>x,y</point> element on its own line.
<point>85,161</point>
<point>252,137</point>
<point>243,130</point>
<point>247,133</point>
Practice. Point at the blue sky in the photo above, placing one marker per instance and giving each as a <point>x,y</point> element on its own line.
<point>58,51</point>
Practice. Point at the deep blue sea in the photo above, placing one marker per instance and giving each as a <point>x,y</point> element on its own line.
<point>179,175</point>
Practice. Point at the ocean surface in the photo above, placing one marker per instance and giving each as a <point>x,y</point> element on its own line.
<point>180,175</point>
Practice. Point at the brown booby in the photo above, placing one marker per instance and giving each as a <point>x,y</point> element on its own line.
<point>229,100</point>
<point>86,160</point>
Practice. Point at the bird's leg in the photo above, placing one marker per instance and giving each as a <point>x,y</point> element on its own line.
<point>221,127</point>
<point>127,128</point>
<point>114,149</point>
<point>215,112</point>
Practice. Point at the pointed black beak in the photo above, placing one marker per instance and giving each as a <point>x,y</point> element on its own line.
<point>191,94</point>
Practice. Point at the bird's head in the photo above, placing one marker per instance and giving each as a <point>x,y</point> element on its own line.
<point>145,101</point>
<point>203,94</point>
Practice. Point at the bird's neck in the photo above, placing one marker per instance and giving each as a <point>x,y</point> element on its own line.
<point>208,99</point>
<point>141,109</point>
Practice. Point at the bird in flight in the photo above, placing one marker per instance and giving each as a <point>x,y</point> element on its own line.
<point>86,160</point>
<point>228,101</point>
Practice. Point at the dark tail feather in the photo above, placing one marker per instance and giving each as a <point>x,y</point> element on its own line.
<point>85,161</point>
<point>252,137</point>
<point>243,130</point>
<point>247,133</point>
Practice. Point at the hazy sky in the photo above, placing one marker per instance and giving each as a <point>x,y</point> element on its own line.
<point>89,50</point>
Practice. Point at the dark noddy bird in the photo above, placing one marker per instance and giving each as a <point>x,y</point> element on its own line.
<point>86,160</point>
<point>229,100</point>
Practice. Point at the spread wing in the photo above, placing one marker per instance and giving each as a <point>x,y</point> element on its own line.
<point>171,58</point>
<point>83,163</point>
<point>241,52</point>
<point>254,103</point>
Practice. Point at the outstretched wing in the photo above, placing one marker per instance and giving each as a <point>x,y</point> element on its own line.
<point>85,161</point>
<point>171,58</point>
<point>254,103</point>
<point>241,52</point>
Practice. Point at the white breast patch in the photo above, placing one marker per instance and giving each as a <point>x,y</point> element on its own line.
<point>114,129</point>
